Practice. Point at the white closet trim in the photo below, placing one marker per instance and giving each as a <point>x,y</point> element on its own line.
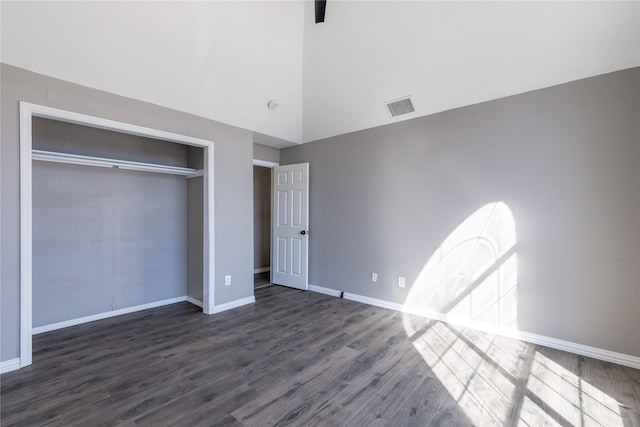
<point>103,162</point>
<point>27,112</point>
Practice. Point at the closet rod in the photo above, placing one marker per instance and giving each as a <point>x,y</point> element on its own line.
<point>75,159</point>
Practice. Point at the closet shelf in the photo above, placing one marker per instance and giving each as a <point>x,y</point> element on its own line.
<point>75,159</point>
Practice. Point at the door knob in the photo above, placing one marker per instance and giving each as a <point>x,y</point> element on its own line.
<point>303,232</point>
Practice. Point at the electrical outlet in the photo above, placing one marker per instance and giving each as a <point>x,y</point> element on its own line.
<point>227,280</point>
<point>401,282</point>
<point>374,277</point>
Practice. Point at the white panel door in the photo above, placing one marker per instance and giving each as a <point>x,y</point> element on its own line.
<point>290,219</point>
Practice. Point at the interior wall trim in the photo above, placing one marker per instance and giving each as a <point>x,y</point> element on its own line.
<point>127,310</point>
<point>10,365</point>
<point>234,304</point>
<point>323,290</point>
<point>265,163</point>
<point>555,343</point>
<point>105,315</point>
<point>14,364</point>
<point>27,112</point>
<point>194,301</point>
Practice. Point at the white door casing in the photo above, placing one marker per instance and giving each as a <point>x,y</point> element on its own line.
<point>27,112</point>
<point>290,222</point>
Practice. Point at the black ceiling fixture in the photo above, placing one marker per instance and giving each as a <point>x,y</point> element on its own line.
<point>321,6</point>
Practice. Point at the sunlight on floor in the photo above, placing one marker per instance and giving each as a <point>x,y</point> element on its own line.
<point>570,397</point>
<point>481,385</point>
<point>497,381</point>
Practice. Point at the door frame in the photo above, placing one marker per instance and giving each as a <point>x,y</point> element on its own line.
<point>27,112</point>
<point>265,163</point>
<point>270,165</point>
<point>305,165</point>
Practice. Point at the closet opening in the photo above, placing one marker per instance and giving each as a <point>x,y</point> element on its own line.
<point>115,218</point>
<point>262,227</point>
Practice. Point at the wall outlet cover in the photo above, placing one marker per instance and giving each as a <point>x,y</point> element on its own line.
<point>227,280</point>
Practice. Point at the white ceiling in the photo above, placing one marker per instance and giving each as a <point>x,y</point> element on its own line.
<point>225,60</point>
<point>220,60</point>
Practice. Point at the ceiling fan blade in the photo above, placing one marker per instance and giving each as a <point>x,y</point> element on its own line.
<point>321,6</point>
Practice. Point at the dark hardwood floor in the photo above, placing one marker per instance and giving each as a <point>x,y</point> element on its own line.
<point>261,280</point>
<point>304,359</point>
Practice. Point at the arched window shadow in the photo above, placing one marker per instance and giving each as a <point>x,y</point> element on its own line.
<point>472,277</point>
<point>471,280</point>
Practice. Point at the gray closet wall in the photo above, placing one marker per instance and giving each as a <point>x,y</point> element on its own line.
<point>106,239</point>
<point>195,230</point>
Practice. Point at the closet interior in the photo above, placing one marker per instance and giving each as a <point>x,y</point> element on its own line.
<point>117,222</point>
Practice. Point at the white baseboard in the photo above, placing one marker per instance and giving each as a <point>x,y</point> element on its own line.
<point>325,291</point>
<point>194,301</point>
<point>571,347</point>
<point>233,304</point>
<point>99,316</point>
<point>9,365</point>
<point>373,301</point>
<point>261,270</point>
<point>14,364</point>
<point>558,344</point>
<point>105,315</point>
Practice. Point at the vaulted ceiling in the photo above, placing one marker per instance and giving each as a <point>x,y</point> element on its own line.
<point>226,60</point>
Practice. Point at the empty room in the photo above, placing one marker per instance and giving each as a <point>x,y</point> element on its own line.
<point>320,213</point>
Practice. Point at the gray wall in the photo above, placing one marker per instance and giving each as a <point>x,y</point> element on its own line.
<point>105,239</point>
<point>195,233</point>
<point>261,217</point>
<point>233,180</point>
<point>195,230</point>
<point>565,160</point>
<point>263,152</point>
<point>84,140</point>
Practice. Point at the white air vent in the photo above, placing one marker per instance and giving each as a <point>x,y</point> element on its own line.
<point>400,106</point>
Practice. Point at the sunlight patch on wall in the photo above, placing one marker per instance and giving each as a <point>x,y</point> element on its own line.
<point>472,276</point>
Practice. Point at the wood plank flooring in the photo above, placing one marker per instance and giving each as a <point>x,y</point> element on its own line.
<point>305,359</point>
<point>261,280</point>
